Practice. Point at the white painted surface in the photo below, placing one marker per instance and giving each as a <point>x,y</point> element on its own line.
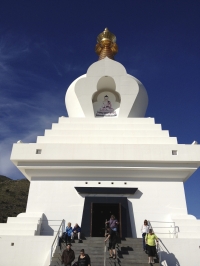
<point>27,250</point>
<point>75,146</point>
<point>23,224</point>
<point>165,199</point>
<point>126,148</point>
<point>188,226</point>
<point>183,252</point>
<point>134,99</point>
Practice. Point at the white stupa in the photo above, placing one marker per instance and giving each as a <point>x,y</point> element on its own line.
<point>105,156</point>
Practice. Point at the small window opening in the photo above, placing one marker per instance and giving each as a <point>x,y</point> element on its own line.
<point>174,152</point>
<point>112,183</point>
<point>99,183</point>
<point>38,151</point>
<point>125,183</point>
<point>12,244</point>
<point>86,182</point>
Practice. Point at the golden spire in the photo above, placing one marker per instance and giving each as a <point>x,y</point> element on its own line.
<point>106,45</point>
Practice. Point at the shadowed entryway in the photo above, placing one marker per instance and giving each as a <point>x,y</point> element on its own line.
<point>98,209</point>
<point>100,213</point>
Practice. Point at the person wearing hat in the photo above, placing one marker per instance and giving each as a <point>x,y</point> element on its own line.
<point>68,255</point>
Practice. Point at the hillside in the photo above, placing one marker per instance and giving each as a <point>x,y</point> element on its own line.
<point>13,197</point>
<point>4,178</point>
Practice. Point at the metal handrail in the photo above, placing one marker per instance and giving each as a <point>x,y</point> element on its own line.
<point>56,239</point>
<point>105,248</point>
<point>161,247</point>
<point>171,227</point>
<point>158,245</point>
<point>159,252</point>
<point>49,220</point>
<point>161,222</point>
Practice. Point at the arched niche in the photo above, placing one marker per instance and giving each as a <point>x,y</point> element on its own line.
<point>106,82</point>
<point>106,101</point>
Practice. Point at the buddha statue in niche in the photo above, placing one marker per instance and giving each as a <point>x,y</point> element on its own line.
<point>106,108</point>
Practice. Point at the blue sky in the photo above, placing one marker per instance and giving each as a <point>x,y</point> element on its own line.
<point>45,45</point>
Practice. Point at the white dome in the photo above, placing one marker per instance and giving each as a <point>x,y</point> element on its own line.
<point>126,96</point>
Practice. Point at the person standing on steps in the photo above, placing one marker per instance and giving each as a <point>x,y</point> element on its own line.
<point>144,231</point>
<point>83,259</point>
<point>68,255</point>
<point>113,223</point>
<point>150,241</point>
<point>112,243</point>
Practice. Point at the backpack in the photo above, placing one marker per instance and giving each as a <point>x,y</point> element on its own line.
<point>63,235</point>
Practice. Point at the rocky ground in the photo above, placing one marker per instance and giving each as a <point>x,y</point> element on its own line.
<point>13,197</point>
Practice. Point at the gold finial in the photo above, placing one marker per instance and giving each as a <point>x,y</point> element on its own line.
<point>106,45</point>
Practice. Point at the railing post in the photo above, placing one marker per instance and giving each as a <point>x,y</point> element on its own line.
<point>105,247</point>
<point>56,239</point>
<point>159,254</point>
<point>51,254</point>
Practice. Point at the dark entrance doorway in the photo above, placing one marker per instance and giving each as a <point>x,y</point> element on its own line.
<point>88,218</point>
<point>100,212</point>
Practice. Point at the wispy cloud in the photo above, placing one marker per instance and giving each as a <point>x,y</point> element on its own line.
<point>30,101</point>
<point>33,82</point>
<point>26,126</point>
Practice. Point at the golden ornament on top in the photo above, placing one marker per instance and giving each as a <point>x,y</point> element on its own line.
<point>106,45</point>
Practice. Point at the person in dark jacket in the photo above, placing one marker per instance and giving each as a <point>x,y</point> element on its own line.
<point>112,236</point>
<point>76,230</point>
<point>83,259</point>
<point>68,255</point>
<point>112,244</point>
<point>62,239</point>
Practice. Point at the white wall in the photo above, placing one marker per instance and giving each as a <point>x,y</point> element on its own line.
<point>27,250</point>
<point>180,252</point>
<point>58,200</point>
<point>157,201</point>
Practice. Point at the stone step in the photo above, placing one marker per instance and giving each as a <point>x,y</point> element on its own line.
<point>17,232</point>
<point>107,133</point>
<point>187,235</point>
<point>186,222</point>
<point>129,252</point>
<point>137,246</point>
<point>121,121</point>
<point>22,220</point>
<point>108,140</point>
<point>17,226</point>
<point>109,126</point>
<point>192,229</point>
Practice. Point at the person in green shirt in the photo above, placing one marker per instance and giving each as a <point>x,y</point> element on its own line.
<point>151,240</point>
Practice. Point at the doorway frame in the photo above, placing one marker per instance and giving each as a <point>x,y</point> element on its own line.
<point>119,218</point>
<point>126,229</point>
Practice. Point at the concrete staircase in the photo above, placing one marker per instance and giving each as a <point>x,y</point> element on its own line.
<point>129,252</point>
<point>25,224</point>
<point>187,226</point>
